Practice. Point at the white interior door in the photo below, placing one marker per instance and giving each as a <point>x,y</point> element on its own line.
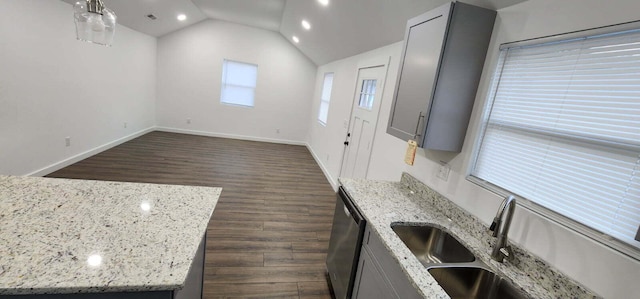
<point>364,119</point>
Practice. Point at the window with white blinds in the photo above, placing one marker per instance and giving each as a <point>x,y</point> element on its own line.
<point>562,130</point>
<point>325,98</point>
<point>239,81</point>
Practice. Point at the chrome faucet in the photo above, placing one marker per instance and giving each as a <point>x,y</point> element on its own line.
<point>501,250</point>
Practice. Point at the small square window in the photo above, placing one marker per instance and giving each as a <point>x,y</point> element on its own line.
<point>238,83</point>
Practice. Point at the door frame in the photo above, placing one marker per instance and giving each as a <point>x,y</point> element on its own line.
<point>366,64</point>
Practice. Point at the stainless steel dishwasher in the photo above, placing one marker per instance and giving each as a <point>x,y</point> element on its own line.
<point>344,245</point>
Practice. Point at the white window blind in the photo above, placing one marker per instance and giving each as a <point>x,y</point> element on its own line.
<point>238,83</point>
<point>325,98</point>
<point>562,130</point>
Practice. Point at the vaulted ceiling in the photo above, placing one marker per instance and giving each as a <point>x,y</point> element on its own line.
<point>341,29</point>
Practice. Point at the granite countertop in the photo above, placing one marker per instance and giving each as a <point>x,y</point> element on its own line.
<point>409,201</point>
<point>77,236</point>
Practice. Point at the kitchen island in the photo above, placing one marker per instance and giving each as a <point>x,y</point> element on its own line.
<point>97,239</point>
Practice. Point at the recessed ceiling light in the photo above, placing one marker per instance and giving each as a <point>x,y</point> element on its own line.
<point>182,17</point>
<point>295,39</point>
<point>324,2</point>
<point>306,25</point>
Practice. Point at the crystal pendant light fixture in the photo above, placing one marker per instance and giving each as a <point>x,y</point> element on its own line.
<point>94,22</point>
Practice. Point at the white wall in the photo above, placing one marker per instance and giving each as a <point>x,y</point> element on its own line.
<point>326,142</point>
<point>606,272</point>
<point>53,86</point>
<point>189,79</point>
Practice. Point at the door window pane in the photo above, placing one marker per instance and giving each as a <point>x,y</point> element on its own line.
<point>367,94</point>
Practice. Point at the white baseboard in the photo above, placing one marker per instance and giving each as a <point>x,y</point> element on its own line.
<point>230,136</point>
<point>332,181</point>
<point>79,157</point>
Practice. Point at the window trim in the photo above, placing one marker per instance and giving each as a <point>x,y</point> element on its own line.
<point>328,101</point>
<point>546,213</point>
<point>223,84</point>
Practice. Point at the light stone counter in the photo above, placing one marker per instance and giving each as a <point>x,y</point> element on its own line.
<point>77,236</point>
<point>410,201</point>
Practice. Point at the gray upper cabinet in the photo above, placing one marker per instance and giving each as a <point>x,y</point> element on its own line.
<point>443,57</point>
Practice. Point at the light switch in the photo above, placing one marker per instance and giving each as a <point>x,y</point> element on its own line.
<point>443,171</point>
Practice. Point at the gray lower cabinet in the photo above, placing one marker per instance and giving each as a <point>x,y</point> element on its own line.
<point>442,60</point>
<point>370,281</point>
<point>379,276</point>
<point>193,285</point>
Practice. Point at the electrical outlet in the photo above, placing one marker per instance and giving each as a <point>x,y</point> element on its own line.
<point>443,172</point>
<point>67,141</point>
<point>277,131</point>
<point>188,121</point>
<point>125,124</point>
<point>327,158</point>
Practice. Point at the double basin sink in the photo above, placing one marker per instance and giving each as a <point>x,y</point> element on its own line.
<point>454,266</point>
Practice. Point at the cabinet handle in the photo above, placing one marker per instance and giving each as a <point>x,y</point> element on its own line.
<point>420,117</point>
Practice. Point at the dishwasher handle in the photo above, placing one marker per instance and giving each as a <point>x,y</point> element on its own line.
<point>349,206</point>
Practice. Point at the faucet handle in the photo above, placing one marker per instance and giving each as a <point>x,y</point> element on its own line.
<point>507,253</point>
<point>495,226</point>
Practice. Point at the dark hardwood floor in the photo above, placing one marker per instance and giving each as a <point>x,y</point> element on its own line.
<point>268,236</point>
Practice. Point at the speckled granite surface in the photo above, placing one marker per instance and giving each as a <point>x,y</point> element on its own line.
<point>68,236</point>
<point>410,201</point>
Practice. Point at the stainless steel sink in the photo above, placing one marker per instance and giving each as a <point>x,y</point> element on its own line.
<point>432,245</point>
<point>452,265</point>
<point>469,283</point>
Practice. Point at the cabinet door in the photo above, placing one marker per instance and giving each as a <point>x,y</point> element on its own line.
<point>388,267</point>
<point>370,282</point>
<point>424,40</point>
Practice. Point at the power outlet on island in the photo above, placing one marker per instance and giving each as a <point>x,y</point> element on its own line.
<point>443,172</point>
